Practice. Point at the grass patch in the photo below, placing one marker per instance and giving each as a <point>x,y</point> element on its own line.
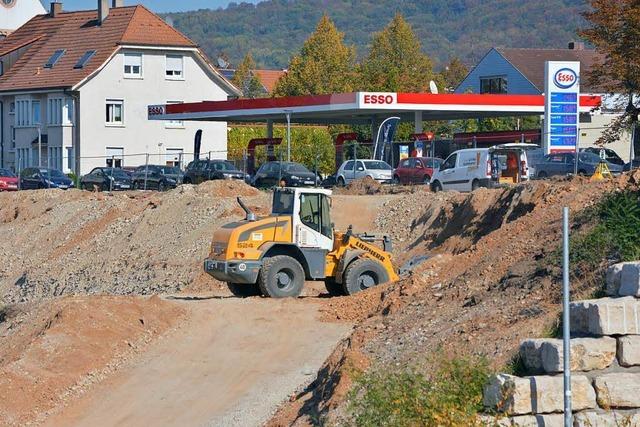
<point>450,396</point>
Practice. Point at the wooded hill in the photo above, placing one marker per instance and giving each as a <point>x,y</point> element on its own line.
<point>274,30</point>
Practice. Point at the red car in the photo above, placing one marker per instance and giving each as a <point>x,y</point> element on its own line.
<point>416,170</point>
<point>8,180</point>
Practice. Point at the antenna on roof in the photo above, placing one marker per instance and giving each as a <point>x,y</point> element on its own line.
<point>433,88</point>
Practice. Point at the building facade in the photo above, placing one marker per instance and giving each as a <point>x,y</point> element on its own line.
<point>521,71</point>
<point>14,13</point>
<point>76,88</point>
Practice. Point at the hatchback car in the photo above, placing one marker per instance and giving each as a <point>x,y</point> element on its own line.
<point>564,163</point>
<point>291,174</point>
<point>8,180</point>
<point>156,177</point>
<point>356,169</point>
<point>200,171</point>
<point>37,178</point>
<point>416,170</point>
<point>106,179</point>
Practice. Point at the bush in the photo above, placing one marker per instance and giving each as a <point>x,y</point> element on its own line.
<point>451,396</point>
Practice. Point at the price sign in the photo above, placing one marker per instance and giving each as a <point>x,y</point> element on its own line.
<point>561,114</point>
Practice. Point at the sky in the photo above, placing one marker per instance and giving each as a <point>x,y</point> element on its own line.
<point>155,5</point>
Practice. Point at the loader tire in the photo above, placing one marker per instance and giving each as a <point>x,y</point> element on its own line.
<point>242,290</point>
<point>334,288</point>
<point>362,274</point>
<point>281,277</point>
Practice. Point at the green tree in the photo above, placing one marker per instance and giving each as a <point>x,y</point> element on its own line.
<point>395,62</point>
<point>453,74</point>
<point>245,79</point>
<point>325,64</point>
<point>615,31</point>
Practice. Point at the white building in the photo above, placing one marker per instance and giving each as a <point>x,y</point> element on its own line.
<point>83,81</point>
<point>14,13</point>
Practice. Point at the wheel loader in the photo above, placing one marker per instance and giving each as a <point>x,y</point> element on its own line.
<point>274,255</point>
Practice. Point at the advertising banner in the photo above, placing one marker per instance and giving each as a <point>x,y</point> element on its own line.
<point>561,115</point>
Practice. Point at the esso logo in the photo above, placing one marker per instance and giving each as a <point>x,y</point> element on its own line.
<point>565,78</point>
<point>156,110</point>
<point>378,99</point>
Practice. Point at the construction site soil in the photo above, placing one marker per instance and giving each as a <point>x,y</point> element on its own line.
<point>79,272</point>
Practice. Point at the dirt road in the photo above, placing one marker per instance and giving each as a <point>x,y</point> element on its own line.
<point>231,363</point>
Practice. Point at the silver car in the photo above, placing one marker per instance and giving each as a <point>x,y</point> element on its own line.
<point>356,169</point>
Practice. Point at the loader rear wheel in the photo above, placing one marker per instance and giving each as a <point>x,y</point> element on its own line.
<point>281,277</point>
<point>362,274</point>
<point>243,290</point>
<point>334,288</point>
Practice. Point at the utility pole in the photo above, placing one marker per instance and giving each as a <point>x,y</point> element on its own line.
<point>633,111</point>
<point>39,146</point>
<point>288,115</point>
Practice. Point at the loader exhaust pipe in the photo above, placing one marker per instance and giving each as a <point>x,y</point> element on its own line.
<point>250,215</point>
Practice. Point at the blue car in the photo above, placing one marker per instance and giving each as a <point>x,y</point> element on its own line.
<point>564,163</point>
<point>38,178</point>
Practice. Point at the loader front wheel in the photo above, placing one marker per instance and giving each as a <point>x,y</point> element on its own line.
<point>242,290</point>
<point>362,274</point>
<point>281,277</point>
<point>334,288</point>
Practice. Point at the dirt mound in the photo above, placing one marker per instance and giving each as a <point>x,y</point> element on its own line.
<point>76,242</point>
<point>368,186</point>
<point>52,351</point>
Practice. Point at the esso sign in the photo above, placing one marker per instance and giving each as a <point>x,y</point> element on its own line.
<point>565,78</point>
<point>156,110</point>
<point>378,99</point>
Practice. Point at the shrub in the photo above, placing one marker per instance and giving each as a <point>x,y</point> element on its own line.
<point>450,396</point>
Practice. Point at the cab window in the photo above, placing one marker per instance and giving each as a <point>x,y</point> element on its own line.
<point>450,163</point>
<point>315,213</point>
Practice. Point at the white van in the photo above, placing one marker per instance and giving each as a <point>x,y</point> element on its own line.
<point>467,170</point>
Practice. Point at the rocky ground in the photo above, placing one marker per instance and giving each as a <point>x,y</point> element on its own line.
<point>481,291</point>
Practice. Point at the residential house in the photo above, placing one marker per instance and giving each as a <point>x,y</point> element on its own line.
<point>76,85</point>
<point>14,13</point>
<point>521,71</point>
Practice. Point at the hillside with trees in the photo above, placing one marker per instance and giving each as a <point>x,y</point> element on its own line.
<point>274,30</point>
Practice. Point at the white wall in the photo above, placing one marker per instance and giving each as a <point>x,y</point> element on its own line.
<point>14,16</point>
<point>139,135</point>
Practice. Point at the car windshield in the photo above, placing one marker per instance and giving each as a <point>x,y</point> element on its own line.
<point>115,172</point>
<point>223,166</point>
<point>170,170</point>
<point>52,172</point>
<point>589,157</point>
<point>378,165</point>
<point>283,202</point>
<point>295,167</point>
<point>7,173</point>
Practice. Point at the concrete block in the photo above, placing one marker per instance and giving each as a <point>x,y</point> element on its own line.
<point>618,390</point>
<point>613,279</point>
<point>630,280</point>
<point>546,420</point>
<point>606,419</point>
<point>587,354</point>
<point>536,395</point>
<point>530,354</point>
<point>629,350</point>
<point>606,316</point>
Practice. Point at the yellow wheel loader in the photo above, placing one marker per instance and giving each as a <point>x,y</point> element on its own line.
<point>276,254</point>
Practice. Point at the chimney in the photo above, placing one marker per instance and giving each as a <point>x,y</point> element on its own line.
<point>576,45</point>
<point>117,3</point>
<point>103,10</point>
<point>56,9</point>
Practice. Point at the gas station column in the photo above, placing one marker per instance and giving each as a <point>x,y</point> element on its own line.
<point>269,128</point>
<point>418,122</point>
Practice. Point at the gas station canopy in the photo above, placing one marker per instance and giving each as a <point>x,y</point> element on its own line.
<point>360,108</point>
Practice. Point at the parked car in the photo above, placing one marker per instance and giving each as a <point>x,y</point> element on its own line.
<point>356,169</point>
<point>293,174</point>
<point>416,170</point>
<point>35,178</point>
<point>156,177</point>
<point>627,166</point>
<point>564,163</point>
<point>469,169</point>
<point>609,155</point>
<point>8,180</point>
<point>205,170</point>
<point>106,179</point>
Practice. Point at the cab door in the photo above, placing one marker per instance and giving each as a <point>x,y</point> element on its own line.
<point>313,231</point>
<point>447,172</point>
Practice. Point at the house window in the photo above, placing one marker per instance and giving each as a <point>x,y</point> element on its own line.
<point>54,111</point>
<point>133,65</point>
<point>495,84</point>
<point>174,123</point>
<point>115,112</point>
<point>22,113</point>
<point>67,111</point>
<point>12,130</point>
<point>35,112</point>
<point>175,65</point>
<point>12,108</point>
<point>115,157</point>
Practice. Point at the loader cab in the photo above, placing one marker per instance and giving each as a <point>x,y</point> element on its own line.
<point>311,216</point>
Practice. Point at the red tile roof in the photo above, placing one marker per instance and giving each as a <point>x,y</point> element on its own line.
<point>269,78</point>
<point>77,33</point>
